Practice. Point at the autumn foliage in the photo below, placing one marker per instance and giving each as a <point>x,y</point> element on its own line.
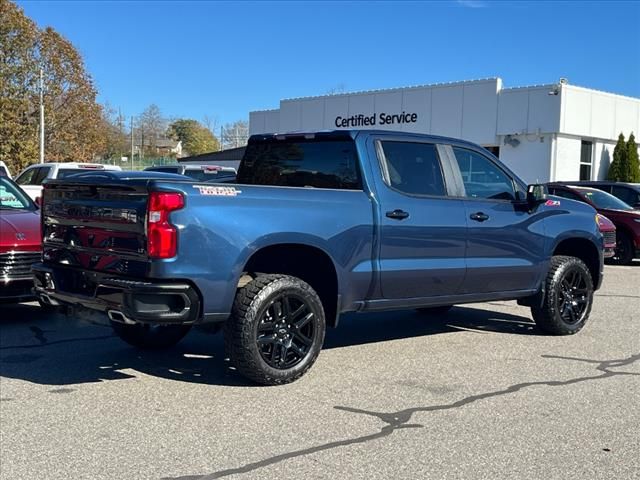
<point>74,123</point>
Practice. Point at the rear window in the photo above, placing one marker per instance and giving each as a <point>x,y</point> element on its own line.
<point>68,172</point>
<point>163,169</point>
<point>315,163</point>
<point>208,176</point>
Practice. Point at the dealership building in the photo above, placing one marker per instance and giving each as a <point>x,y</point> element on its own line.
<point>543,132</point>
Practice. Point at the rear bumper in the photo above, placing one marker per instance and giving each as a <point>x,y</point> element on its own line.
<point>123,299</point>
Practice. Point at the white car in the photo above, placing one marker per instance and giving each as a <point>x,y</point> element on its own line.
<point>31,178</point>
<point>4,170</point>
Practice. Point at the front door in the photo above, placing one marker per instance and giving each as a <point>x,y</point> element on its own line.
<point>505,243</point>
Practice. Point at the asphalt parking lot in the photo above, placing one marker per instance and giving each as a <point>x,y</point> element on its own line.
<point>477,393</point>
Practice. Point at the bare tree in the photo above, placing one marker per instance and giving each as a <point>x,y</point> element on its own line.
<point>235,134</point>
<point>153,126</point>
<point>212,123</point>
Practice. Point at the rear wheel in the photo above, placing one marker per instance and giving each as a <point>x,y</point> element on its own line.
<point>276,329</point>
<point>624,249</point>
<point>150,337</point>
<point>568,297</point>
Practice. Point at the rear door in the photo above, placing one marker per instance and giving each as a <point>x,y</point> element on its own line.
<point>505,243</point>
<point>422,229</point>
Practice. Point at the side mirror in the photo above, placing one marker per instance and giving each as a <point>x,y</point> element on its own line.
<point>536,194</point>
<point>38,202</point>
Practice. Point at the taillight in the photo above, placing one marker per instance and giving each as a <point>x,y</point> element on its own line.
<point>162,237</point>
<point>604,224</point>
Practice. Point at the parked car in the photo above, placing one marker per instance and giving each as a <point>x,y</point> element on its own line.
<point>317,224</point>
<point>20,242</point>
<point>608,229</point>
<point>202,173</point>
<point>4,170</point>
<point>624,217</point>
<point>31,178</point>
<point>629,193</point>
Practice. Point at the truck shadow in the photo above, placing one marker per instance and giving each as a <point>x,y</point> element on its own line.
<point>61,351</point>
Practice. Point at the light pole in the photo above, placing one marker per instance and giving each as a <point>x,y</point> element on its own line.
<point>41,116</point>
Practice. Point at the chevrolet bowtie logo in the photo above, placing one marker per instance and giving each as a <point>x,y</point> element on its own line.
<point>20,236</point>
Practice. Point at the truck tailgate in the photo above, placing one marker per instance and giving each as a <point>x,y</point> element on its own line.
<point>97,226</point>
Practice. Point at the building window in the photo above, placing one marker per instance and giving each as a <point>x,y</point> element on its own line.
<point>586,160</point>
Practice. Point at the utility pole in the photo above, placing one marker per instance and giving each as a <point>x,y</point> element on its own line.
<point>131,166</point>
<point>41,116</point>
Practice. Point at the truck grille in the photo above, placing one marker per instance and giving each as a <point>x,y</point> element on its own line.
<point>609,238</point>
<point>17,265</point>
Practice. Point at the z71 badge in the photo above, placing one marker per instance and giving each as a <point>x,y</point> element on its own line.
<point>217,191</point>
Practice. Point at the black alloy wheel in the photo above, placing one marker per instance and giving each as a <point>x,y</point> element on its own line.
<point>285,331</point>
<point>573,296</point>
<point>567,297</point>
<point>276,329</point>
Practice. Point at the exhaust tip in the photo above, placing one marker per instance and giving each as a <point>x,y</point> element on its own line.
<point>116,316</point>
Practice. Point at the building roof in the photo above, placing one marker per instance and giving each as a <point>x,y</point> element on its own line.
<point>231,154</point>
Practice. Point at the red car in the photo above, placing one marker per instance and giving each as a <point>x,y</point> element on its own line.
<point>623,216</point>
<point>20,242</point>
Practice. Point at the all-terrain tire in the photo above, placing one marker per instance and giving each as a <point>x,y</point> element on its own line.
<point>261,306</point>
<point>441,310</point>
<point>568,297</point>
<point>150,337</point>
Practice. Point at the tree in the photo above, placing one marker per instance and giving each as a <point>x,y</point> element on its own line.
<point>617,166</point>
<point>195,138</point>
<point>153,127</point>
<point>72,115</point>
<point>18,82</point>
<point>235,134</point>
<point>116,141</point>
<point>632,160</point>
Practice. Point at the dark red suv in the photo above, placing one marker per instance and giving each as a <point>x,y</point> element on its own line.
<point>20,242</point>
<point>624,217</point>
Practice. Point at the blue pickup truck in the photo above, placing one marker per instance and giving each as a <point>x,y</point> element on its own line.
<point>317,224</point>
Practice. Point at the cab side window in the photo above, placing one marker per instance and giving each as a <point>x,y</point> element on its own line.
<point>40,176</point>
<point>482,178</point>
<point>26,177</point>
<point>413,168</point>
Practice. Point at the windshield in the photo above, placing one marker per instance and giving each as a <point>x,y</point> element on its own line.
<point>12,198</point>
<point>603,199</point>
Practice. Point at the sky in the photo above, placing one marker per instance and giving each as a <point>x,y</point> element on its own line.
<point>225,59</point>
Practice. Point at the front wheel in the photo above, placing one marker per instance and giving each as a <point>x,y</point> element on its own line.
<point>150,337</point>
<point>276,329</point>
<point>568,297</point>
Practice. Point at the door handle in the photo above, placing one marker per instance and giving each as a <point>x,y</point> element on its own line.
<point>479,217</point>
<point>398,214</point>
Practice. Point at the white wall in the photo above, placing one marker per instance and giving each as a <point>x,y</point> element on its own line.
<point>531,159</point>
<point>528,110</point>
<point>463,110</point>
<point>594,114</point>
<point>265,121</point>
<point>567,159</point>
